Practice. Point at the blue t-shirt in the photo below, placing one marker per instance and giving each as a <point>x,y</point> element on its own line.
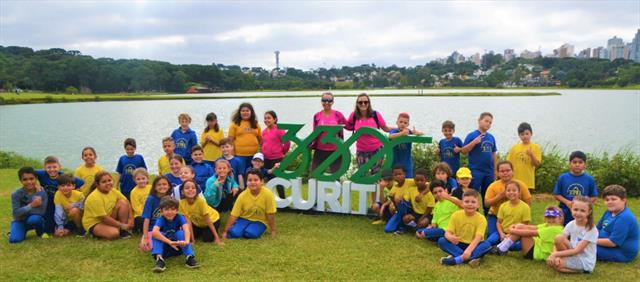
<point>481,156</point>
<point>447,154</point>
<point>203,171</point>
<point>50,185</point>
<point>402,155</point>
<point>151,210</point>
<point>126,166</point>
<point>174,180</point>
<point>569,186</point>
<point>621,230</point>
<point>170,227</point>
<point>184,142</point>
<point>237,167</point>
<point>452,184</point>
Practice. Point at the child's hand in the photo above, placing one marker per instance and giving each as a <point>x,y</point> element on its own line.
<point>455,240</point>
<point>478,139</point>
<point>218,242</point>
<point>419,197</point>
<point>37,201</point>
<point>466,255</point>
<point>174,245</point>
<point>144,244</point>
<point>61,232</point>
<point>420,235</point>
<point>457,149</point>
<point>234,191</point>
<point>276,165</point>
<point>224,235</point>
<point>502,236</point>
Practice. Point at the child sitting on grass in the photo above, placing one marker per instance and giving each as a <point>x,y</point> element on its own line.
<point>69,205</point>
<point>442,212</point>
<point>617,228</point>
<point>383,207</point>
<point>171,236</point>
<point>575,248</point>
<point>537,240</point>
<point>512,212</point>
<point>29,204</point>
<point>151,211</point>
<point>421,201</point>
<point>139,196</point>
<point>203,220</point>
<point>464,235</point>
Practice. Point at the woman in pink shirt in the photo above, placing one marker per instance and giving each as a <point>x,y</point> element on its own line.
<point>327,116</point>
<point>272,146</point>
<point>367,145</point>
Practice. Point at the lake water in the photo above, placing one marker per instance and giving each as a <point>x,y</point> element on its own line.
<point>590,120</point>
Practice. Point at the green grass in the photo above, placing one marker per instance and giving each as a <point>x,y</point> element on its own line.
<point>310,247</point>
<point>40,98</point>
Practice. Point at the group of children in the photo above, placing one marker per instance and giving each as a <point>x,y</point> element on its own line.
<point>476,214</point>
<point>465,210</point>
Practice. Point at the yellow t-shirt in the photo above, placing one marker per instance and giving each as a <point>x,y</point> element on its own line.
<point>163,165</point>
<point>211,151</point>
<point>509,215</point>
<point>467,227</point>
<point>99,204</point>
<point>138,198</point>
<point>87,174</point>
<point>255,208</point>
<point>198,211</point>
<point>427,201</point>
<point>62,200</point>
<point>497,187</point>
<point>245,138</point>
<point>523,169</point>
<point>397,192</point>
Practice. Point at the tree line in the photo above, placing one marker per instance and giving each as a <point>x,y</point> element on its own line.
<point>56,69</point>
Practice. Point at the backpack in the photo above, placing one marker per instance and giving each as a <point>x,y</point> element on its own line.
<point>316,120</point>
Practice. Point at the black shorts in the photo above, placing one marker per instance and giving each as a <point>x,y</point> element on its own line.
<point>204,233</point>
<point>529,254</point>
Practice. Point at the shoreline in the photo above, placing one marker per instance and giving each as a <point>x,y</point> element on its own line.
<point>46,98</point>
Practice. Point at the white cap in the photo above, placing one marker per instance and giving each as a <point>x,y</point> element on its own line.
<point>258,156</point>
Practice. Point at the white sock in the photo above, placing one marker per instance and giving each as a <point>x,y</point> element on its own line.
<point>505,244</point>
<point>412,224</point>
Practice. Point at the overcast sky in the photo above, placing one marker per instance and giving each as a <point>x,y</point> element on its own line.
<point>311,34</point>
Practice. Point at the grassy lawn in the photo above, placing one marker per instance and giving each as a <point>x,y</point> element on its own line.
<point>310,247</point>
<point>40,98</point>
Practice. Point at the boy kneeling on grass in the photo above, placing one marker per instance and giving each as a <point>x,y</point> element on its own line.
<point>171,236</point>
<point>463,240</point>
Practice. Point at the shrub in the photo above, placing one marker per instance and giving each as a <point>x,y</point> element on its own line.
<point>13,160</point>
<point>71,90</point>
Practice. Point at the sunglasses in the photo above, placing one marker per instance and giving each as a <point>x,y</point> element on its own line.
<point>326,101</point>
<point>363,102</point>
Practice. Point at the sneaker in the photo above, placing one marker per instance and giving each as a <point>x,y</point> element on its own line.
<point>448,260</point>
<point>474,262</point>
<point>191,262</point>
<point>81,233</point>
<point>398,232</point>
<point>160,265</point>
<point>379,222</point>
<point>494,250</point>
<point>124,234</point>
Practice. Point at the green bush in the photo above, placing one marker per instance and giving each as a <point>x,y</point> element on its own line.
<point>71,90</point>
<point>13,160</point>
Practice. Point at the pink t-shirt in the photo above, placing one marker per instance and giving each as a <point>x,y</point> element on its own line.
<point>334,118</point>
<point>366,142</point>
<point>272,146</point>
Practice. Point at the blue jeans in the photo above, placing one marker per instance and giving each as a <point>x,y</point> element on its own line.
<point>491,224</point>
<point>19,228</point>
<point>160,248</point>
<point>480,182</point>
<point>244,228</point>
<point>395,222</point>
<point>456,250</point>
<point>432,234</point>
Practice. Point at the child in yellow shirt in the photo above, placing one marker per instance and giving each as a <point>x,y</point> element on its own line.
<point>254,209</point>
<point>397,193</point>
<point>512,212</point>
<point>139,196</point>
<point>69,204</point>
<point>463,240</point>
<point>88,170</point>
<point>525,157</point>
<point>210,139</point>
<point>203,220</point>
<point>421,201</point>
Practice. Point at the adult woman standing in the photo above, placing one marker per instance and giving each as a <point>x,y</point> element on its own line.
<point>366,145</point>
<point>327,116</point>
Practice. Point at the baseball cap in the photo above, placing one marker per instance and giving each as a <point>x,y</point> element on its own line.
<point>258,156</point>
<point>464,172</point>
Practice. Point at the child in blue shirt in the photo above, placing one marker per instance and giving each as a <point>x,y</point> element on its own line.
<point>402,152</point>
<point>48,178</point>
<point>443,172</point>
<point>29,204</point>
<point>184,137</point>
<point>237,165</point>
<point>481,147</point>
<point>574,183</point>
<point>127,164</point>
<point>171,235</point>
<point>618,228</point>
<point>449,147</point>
<point>151,211</point>
<point>201,169</point>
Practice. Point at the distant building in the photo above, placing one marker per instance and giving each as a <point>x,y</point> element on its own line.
<point>585,54</point>
<point>526,54</point>
<point>596,52</point>
<point>615,42</point>
<point>616,52</point>
<point>509,54</point>
<point>476,59</point>
<point>564,51</point>
<point>604,53</point>
<point>460,59</point>
<point>634,50</point>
